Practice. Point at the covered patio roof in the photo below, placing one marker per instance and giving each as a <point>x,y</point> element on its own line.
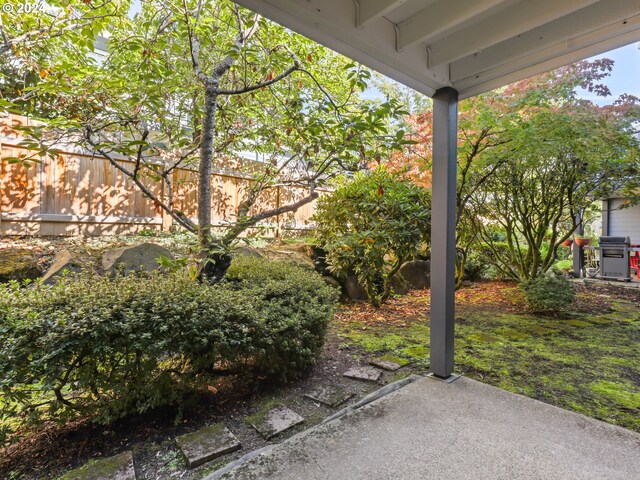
<point>451,49</point>
<point>470,45</point>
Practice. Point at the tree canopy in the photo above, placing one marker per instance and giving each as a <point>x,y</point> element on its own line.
<point>532,159</point>
<point>193,84</point>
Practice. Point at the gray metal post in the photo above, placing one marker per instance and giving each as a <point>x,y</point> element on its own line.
<point>443,230</point>
<point>578,252</point>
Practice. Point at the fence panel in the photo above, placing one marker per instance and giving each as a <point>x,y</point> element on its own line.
<point>78,194</point>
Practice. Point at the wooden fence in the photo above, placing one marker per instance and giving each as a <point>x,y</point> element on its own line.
<point>81,194</point>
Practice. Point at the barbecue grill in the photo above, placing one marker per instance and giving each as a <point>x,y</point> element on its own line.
<point>614,258</point>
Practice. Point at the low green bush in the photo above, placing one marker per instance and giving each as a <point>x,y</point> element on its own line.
<point>99,347</point>
<point>548,293</point>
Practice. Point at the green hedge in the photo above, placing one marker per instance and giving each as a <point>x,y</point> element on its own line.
<point>101,347</point>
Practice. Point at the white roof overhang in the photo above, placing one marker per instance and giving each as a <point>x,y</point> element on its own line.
<point>470,45</point>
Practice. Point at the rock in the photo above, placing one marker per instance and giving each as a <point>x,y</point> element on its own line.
<point>331,396</point>
<point>319,258</point>
<point>247,252</point>
<point>290,253</point>
<point>119,467</point>
<point>62,262</point>
<point>353,290</point>
<point>399,285</point>
<point>134,258</point>
<point>207,443</point>
<point>385,364</point>
<point>276,421</point>
<point>18,264</point>
<point>417,273</point>
<point>364,373</point>
<point>332,282</point>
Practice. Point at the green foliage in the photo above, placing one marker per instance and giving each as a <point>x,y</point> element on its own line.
<point>370,225</point>
<point>563,266</point>
<point>548,293</point>
<point>107,347</point>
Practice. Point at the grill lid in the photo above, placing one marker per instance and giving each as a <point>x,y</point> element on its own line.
<point>615,241</point>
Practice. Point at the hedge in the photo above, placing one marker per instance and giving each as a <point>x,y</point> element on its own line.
<point>106,347</point>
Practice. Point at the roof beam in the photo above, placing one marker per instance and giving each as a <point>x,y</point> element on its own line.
<point>499,80</point>
<point>494,59</point>
<point>438,18</point>
<point>588,44</point>
<point>369,10</point>
<point>509,23</point>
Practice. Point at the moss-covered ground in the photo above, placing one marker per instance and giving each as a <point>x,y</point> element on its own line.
<point>587,360</point>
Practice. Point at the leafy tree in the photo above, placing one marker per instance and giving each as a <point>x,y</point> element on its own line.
<point>532,158</point>
<point>34,34</point>
<point>564,153</point>
<point>194,83</point>
<point>371,225</point>
<point>480,125</point>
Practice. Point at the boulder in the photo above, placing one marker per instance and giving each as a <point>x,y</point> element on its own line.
<point>18,264</point>
<point>62,262</point>
<point>399,285</point>
<point>289,253</point>
<point>134,258</point>
<point>247,251</point>
<point>417,273</point>
<point>319,258</point>
<point>353,290</point>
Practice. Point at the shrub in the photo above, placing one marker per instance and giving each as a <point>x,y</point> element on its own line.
<point>563,266</point>
<point>548,293</point>
<point>370,225</point>
<point>106,347</point>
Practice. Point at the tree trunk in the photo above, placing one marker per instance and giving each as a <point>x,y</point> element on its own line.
<point>214,258</point>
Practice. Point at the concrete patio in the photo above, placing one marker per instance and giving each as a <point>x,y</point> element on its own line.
<point>460,430</point>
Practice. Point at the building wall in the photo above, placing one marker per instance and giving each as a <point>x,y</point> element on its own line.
<point>624,222</point>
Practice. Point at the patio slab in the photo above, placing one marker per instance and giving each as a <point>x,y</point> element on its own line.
<point>453,431</point>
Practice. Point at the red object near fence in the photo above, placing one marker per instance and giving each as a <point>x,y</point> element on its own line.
<point>634,260</point>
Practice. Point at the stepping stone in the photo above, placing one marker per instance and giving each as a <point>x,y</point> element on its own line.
<point>364,373</point>
<point>277,421</point>
<point>119,467</point>
<point>207,443</point>
<point>331,396</point>
<point>385,365</point>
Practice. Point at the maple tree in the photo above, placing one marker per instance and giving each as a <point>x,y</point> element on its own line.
<point>532,158</point>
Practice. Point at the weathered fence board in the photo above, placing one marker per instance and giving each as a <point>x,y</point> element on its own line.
<point>78,194</point>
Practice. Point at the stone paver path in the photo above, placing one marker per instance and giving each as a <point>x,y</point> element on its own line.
<point>276,421</point>
<point>331,396</point>
<point>207,443</point>
<point>385,365</point>
<point>118,467</point>
<point>364,373</point>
